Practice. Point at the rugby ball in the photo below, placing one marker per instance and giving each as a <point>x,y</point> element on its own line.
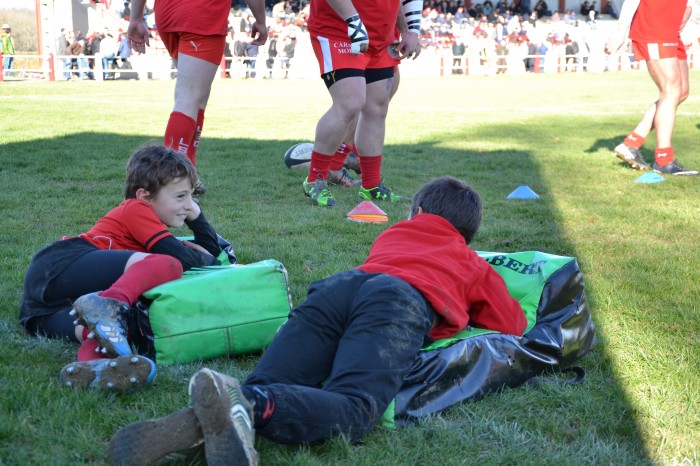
<point>299,155</point>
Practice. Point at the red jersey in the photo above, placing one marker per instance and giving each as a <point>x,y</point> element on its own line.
<point>657,21</point>
<point>431,255</point>
<point>133,225</point>
<point>205,17</point>
<point>379,17</point>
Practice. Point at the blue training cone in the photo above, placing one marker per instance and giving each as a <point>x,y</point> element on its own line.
<point>649,177</point>
<point>523,192</point>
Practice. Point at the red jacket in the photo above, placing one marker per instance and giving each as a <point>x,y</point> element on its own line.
<point>430,254</point>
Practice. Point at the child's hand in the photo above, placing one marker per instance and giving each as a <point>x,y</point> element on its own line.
<point>199,248</point>
<point>194,213</point>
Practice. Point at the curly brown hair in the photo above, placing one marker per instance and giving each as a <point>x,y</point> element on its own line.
<point>153,167</point>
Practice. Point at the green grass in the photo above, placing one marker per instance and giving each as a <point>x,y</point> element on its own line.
<point>63,147</point>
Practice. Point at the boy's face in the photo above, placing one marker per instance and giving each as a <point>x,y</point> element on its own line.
<point>173,202</point>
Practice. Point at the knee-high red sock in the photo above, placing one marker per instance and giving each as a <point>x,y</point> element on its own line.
<point>192,153</point>
<point>319,166</point>
<point>179,133</point>
<point>634,140</point>
<point>339,157</point>
<point>153,270</point>
<point>86,351</point>
<point>371,167</point>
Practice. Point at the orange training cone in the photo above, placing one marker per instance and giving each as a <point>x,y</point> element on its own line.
<point>367,212</point>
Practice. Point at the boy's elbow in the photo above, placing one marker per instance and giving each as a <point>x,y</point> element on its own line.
<point>521,322</point>
<point>515,325</point>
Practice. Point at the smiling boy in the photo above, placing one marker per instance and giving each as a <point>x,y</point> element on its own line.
<point>127,252</point>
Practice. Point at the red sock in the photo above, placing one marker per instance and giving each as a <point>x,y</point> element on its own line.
<point>319,166</point>
<point>663,155</point>
<point>339,157</point>
<point>371,167</point>
<point>197,134</point>
<point>634,140</point>
<point>143,275</point>
<point>86,351</point>
<point>179,133</point>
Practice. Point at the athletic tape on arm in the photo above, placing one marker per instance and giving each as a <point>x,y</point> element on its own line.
<point>357,33</point>
<point>412,10</point>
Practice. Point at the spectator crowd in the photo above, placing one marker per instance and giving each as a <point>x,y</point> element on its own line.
<point>495,36</point>
<point>515,36</point>
<point>77,52</point>
<point>286,20</point>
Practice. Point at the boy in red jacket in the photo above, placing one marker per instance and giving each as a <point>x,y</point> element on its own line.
<point>339,360</point>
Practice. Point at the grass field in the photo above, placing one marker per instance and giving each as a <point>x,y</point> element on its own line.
<point>63,147</point>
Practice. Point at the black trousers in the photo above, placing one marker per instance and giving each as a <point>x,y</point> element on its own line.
<point>339,360</point>
<point>59,274</point>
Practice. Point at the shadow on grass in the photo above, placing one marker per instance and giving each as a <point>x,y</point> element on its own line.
<point>605,144</point>
<point>57,187</point>
<point>609,144</point>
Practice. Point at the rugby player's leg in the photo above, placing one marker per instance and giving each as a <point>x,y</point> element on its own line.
<point>348,97</point>
<point>666,73</point>
<point>192,89</point>
<point>369,136</point>
<point>669,76</point>
<point>646,124</point>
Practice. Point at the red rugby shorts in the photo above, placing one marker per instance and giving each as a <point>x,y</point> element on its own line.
<point>650,51</point>
<point>209,48</point>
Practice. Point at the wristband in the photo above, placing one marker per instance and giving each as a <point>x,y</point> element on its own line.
<point>412,11</point>
<point>357,33</point>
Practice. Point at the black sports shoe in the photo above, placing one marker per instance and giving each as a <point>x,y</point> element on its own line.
<point>120,374</point>
<point>106,318</point>
<point>177,436</point>
<point>632,156</point>
<point>225,417</point>
<point>673,168</point>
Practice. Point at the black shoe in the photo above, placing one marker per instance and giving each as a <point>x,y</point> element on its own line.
<point>225,417</point>
<point>632,156</point>
<point>106,319</point>
<point>174,437</point>
<point>121,374</point>
<point>673,168</point>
